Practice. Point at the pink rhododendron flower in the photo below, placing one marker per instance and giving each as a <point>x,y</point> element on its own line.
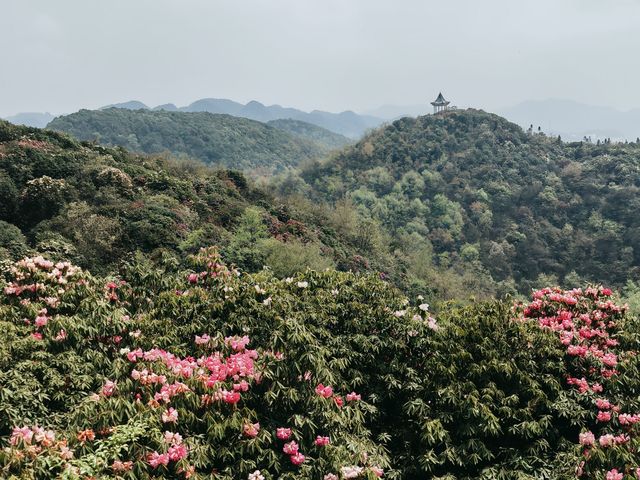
<point>622,438</point>
<point>353,396</point>
<point>172,438</point>
<point>577,350</point>
<point>323,391</point>
<point>614,475</point>
<point>66,453</point>
<point>170,415</point>
<point>251,430</point>
<point>321,441</point>
<point>156,459</point>
<point>108,388</point>
<point>587,439</point>
<point>606,440</point>
<point>202,340</point>
<point>377,471</point>
<point>236,343</point>
<point>134,355</point>
<point>41,321</point>
<point>297,458</point>
<point>230,397</point>
<point>627,419</point>
<point>177,452</point>
<point>24,434</point>
<point>283,433</point>
<point>290,448</point>
<point>243,386</point>
<point>610,359</point>
<point>603,416</point>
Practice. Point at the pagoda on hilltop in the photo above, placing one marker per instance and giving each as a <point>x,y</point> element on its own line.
<point>440,104</point>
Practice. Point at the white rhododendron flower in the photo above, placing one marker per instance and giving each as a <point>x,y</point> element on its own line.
<point>256,476</point>
<point>351,472</point>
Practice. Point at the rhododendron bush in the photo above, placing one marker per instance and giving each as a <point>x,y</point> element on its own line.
<point>602,372</point>
<point>194,375</point>
<point>214,373</point>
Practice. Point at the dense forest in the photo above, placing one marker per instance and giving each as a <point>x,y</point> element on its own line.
<point>215,139</point>
<point>469,191</point>
<point>311,132</point>
<point>98,205</point>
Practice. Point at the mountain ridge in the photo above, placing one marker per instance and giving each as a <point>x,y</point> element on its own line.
<point>217,139</point>
<point>471,191</point>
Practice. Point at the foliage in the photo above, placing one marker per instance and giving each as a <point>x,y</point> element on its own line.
<point>176,374</point>
<point>311,132</point>
<point>97,206</point>
<point>103,366</point>
<point>220,140</point>
<point>529,205</point>
<point>603,369</point>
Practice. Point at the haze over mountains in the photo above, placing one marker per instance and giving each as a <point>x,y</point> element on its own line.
<point>571,120</point>
<point>31,119</point>
<point>347,123</point>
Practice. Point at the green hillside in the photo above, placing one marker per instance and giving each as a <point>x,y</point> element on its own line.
<point>469,191</point>
<point>97,206</point>
<point>311,132</point>
<point>220,140</point>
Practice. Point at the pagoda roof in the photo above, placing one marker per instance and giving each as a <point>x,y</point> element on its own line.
<point>440,100</point>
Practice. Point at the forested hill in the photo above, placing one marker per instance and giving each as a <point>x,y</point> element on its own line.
<point>97,206</point>
<point>472,190</point>
<point>220,140</point>
<point>311,132</point>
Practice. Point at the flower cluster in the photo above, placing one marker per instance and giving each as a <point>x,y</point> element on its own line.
<point>176,451</point>
<point>31,442</point>
<point>327,392</point>
<point>218,387</point>
<point>39,283</point>
<point>586,323</point>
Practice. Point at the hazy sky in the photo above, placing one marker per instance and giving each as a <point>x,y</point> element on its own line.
<point>62,55</point>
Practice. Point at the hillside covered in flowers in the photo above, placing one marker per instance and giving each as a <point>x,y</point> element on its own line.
<point>213,373</point>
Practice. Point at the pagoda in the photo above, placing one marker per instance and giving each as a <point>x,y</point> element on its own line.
<point>440,104</point>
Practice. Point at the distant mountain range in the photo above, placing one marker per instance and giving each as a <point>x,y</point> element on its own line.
<point>569,119</point>
<point>574,121</point>
<point>31,119</point>
<point>347,123</point>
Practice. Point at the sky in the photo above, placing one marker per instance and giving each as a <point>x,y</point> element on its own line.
<point>63,55</point>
